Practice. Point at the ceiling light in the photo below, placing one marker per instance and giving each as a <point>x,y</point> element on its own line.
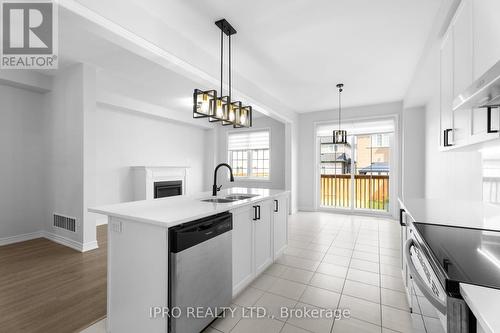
<point>208,104</point>
<point>340,135</point>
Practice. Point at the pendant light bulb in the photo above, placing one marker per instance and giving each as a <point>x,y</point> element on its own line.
<point>231,114</point>
<point>205,104</point>
<point>219,110</point>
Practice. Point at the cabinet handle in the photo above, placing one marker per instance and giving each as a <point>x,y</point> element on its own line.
<point>446,134</point>
<point>489,130</point>
<point>255,213</point>
<point>258,209</point>
<point>276,206</point>
<point>401,212</point>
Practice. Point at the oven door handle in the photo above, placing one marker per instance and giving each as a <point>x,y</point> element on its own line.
<point>436,302</point>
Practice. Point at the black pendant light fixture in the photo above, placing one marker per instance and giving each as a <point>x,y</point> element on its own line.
<point>208,104</point>
<point>340,135</point>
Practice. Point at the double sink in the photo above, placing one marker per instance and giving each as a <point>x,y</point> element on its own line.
<point>231,198</point>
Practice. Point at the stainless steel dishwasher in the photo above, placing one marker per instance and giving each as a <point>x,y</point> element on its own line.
<point>200,271</point>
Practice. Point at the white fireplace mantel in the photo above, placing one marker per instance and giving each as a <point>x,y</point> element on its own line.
<point>146,176</point>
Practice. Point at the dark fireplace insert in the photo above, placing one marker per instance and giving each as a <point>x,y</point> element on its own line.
<point>168,189</point>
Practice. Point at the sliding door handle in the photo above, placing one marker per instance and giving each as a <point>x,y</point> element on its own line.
<point>488,125</point>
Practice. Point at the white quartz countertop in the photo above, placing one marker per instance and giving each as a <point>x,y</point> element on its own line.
<point>171,211</point>
<point>459,213</point>
<point>484,303</point>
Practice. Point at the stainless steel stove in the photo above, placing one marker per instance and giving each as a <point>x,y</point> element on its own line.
<point>436,258</point>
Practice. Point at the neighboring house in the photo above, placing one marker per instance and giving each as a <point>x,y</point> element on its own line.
<point>377,168</point>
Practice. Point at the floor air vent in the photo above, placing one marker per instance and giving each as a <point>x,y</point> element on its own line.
<point>64,222</point>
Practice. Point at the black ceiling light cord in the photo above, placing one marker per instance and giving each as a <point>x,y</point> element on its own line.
<point>217,107</point>
<point>340,136</point>
<point>340,85</point>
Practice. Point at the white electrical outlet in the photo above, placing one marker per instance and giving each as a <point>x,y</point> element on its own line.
<point>116,226</point>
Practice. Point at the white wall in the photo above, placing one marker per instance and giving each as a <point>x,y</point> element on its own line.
<point>65,123</point>
<point>126,139</point>
<point>22,166</point>
<point>413,153</point>
<point>307,141</point>
<point>277,148</point>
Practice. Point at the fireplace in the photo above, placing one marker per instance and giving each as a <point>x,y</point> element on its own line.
<point>152,182</point>
<point>167,188</point>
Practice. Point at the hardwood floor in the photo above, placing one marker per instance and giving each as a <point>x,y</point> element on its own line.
<point>47,287</point>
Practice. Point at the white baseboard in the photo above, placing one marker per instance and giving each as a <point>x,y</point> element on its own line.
<point>90,246</point>
<point>280,252</point>
<point>81,247</point>
<point>307,209</point>
<point>63,241</point>
<point>20,238</point>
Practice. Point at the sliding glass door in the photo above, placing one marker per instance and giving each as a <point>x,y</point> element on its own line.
<point>335,173</point>
<point>355,176</point>
<point>371,173</point>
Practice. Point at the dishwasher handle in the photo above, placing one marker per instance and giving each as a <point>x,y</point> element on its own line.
<point>429,295</point>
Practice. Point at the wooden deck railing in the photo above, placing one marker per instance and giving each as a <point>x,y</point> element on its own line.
<point>371,191</point>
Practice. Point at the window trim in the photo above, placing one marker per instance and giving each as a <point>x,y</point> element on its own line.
<point>382,145</point>
<point>250,178</point>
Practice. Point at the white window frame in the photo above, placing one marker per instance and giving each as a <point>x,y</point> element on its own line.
<point>382,143</point>
<point>249,165</point>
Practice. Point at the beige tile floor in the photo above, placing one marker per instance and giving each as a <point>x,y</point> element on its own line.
<point>332,261</point>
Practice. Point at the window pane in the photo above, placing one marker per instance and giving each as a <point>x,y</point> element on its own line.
<point>253,145</point>
<point>260,163</point>
<point>238,161</point>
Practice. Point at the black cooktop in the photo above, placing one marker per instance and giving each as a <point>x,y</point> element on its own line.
<point>464,254</point>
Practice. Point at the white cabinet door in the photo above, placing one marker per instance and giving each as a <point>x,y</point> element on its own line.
<point>280,225</point>
<point>486,24</point>
<point>262,236</point>
<point>446,60</point>
<point>462,69</point>
<point>243,268</point>
<point>486,46</point>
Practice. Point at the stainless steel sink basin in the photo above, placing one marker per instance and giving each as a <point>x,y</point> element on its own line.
<point>241,196</point>
<point>219,200</point>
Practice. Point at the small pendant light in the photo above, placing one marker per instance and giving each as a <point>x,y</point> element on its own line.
<point>340,135</point>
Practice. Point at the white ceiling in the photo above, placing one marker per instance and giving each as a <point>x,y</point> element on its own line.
<point>287,53</point>
<point>298,50</point>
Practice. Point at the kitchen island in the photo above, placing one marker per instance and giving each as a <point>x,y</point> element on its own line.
<point>138,248</point>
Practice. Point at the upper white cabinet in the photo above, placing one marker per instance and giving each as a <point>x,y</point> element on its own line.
<point>486,32</point>
<point>446,94</point>
<point>469,48</point>
<point>462,69</point>
<point>486,53</point>
<point>462,48</point>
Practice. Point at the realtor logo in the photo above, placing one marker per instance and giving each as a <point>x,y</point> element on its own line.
<point>29,34</point>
